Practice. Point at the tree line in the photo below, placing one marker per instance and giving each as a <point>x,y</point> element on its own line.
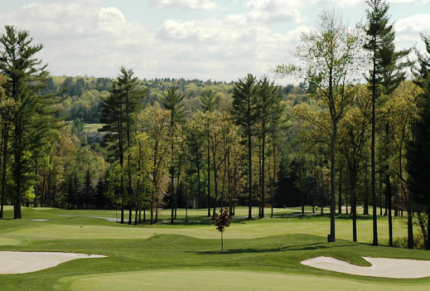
<point>362,125</point>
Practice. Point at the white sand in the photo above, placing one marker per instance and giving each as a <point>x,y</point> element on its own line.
<point>381,267</point>
<point>25,262</point>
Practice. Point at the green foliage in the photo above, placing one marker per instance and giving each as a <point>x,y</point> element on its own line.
<point>221,221</point>
<point>418,158</point>
<point>33,119</point>
<point>173,101</point>
<point>387,71</point>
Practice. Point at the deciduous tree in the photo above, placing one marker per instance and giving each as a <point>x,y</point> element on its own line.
<point>331,61</point>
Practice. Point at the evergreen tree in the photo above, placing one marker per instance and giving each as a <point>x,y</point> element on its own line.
<point>269,112</point>
<point>87,190</point>
<point>418,158</point>
<point>209,102</point>
<point>418,161</point>
<point>32,119</point>
<point>100,197</point>
<point>195,139</point>
<point>117,115</point>
<point>173,101</point>
<point>386,74</point>
<point>244,110</point>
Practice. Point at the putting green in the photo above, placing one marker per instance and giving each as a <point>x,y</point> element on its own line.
<point>212,280</point>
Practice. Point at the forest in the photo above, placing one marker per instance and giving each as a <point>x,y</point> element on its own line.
<point>352,135</point>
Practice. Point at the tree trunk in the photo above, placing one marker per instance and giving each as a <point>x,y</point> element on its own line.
<point>263,173</point>
<point>340,192</point>
<point>423,228</point>
<point>230,192</point>
<point>209,180</point>
<point>366,194</point>
<point>332,184</point>
<point>223,184</point>
<point>374,218</point>
<point>273,179</point>
<point>390,220</point>
<point>136,215</point>
<point>5,151</point>
<point>130,214</point>
<point>354,213</point>
<point>302,198</point>
<point>156,211</point>
<point>215,179</point>
<point>346,201</point>
<point>380,193</point>
<point>410,226</point>
<point>427,247</point>
<point>249,166</point>
<point>172,198</point>
<point>199,185</point>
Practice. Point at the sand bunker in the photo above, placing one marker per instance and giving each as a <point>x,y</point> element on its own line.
<point>381,267</point>
<point>25,262</point>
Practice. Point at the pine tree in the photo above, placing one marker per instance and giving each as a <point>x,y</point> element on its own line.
<point>100,198</point>
<point>32,119</point>
<point>87,190</point>
<point>173,101</point>
<point>418,161</point>
<point>386,74</point>
<point>269,112</point>
<point>244,110</point>
<point>418,158</point>
<point>117,115</point>
<point>209,102</point>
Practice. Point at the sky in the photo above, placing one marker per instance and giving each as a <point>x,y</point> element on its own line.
<point>193,39</point>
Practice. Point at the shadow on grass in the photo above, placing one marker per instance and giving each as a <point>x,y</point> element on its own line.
<point>309,247</point>
<point>198,221</point>
<point>349,217</point>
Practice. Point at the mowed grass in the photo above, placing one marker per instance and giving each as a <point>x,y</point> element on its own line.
<point>89,224</point>
<point>225,280</point>
<point>263,254</point>
<point>92,127</point>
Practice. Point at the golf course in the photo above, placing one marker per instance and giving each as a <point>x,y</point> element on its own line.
<point>259,254</point>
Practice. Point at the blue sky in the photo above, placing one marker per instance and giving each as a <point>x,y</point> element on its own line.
<point>203,39</point>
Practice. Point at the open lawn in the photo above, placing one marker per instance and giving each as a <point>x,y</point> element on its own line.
<point>92,127</point>
<point>263,254</point>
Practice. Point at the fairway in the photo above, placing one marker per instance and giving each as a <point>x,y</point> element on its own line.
<point>89,224</point>
<point>262,254</point>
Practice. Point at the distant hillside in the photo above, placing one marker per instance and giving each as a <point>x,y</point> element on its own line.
<point>87,93</point>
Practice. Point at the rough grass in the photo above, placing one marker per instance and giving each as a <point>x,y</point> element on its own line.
<point>263,254</point>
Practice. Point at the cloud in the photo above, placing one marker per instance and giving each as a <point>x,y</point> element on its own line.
<point>408,29</point>
<point>271,11</point>
<point>187,4</point>
<point>356,2</point>
<point>82,37</point>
